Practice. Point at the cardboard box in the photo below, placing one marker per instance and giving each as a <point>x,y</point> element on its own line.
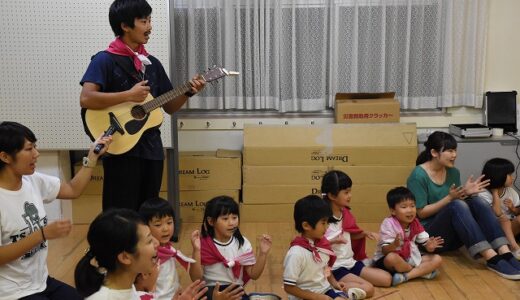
<point>210,170</point>
<point>266,213</point>
<point>287,175</point>
<point>260,194</point>
<point>85,209</point>
<point>330,145</point>
<point>369,212</point>
<point>275,213</point>
<point>272,194</point>
<point>366,108</point>
<point>193,203</point>
<point>95,186</point>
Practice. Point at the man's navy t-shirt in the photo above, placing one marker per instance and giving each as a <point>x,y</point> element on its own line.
<point>106,73</point>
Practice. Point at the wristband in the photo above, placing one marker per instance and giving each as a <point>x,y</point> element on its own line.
<point>189,94</point>
<point>43,235</point>
<point>87,163</point>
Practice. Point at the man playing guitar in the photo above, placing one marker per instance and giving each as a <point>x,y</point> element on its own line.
<point>125,72</point>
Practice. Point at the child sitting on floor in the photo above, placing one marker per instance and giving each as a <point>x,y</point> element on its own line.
<point>307,273</point>
<point>343,233</point>
<point>503,199</point>
<point>158,214</point>
<point>397,251</point>
<point>227,257</point>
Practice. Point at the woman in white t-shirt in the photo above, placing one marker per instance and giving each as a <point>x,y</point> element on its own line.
<point>24,227</point>
<point>503,198</point>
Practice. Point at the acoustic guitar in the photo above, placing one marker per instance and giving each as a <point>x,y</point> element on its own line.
<point>127,121</point>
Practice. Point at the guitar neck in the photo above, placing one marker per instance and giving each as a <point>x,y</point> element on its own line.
<point>166,97</point>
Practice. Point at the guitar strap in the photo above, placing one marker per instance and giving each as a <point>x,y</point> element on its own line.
<point>125,63</point>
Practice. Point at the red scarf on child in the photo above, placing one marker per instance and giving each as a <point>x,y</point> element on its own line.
<point>210,255</point>
<point>118,47</point>
<point>349,225</point>
<point>321,245</point>
<point>166,252</point>
<point>146,297</point>
<point>415,229</point>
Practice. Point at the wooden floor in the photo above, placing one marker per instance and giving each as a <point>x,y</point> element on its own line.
<point>460,277</point>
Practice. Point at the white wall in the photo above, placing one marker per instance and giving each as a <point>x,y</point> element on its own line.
<point>503,46</point>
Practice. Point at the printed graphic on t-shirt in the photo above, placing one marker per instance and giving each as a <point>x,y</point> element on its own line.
<point>32,218</point>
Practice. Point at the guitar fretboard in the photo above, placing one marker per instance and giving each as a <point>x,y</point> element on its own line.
<point>166,97</point>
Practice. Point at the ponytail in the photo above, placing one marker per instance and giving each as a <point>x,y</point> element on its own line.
<point>111,233</point>
<point>439,141</point>
<point>87,277</point>
<point>423,157</point>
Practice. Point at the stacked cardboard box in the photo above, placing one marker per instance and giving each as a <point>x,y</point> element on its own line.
<point>204,175</point>
<point>285,163</point>
<point>88,205</point>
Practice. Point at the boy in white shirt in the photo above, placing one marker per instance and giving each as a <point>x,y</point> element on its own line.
<point>307,273</point>
<point>158,214</point>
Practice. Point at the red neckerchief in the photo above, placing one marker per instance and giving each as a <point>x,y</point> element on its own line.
<point>166,252</point>
<point>118,47</point>
<point>349,225</point>
<point>146,297</point>
<point>415,229</point>
<point>322,245</point>
<point>210,255</point>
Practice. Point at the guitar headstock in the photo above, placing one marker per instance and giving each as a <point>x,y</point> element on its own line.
<point>216,73</point>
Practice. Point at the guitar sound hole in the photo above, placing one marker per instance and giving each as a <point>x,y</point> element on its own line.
<point>138,112</point>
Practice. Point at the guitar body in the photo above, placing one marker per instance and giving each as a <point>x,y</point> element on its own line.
<point>129,120</point>
<point>96,122</point>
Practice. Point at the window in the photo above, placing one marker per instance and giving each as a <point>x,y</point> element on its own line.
<point>294,56</point>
